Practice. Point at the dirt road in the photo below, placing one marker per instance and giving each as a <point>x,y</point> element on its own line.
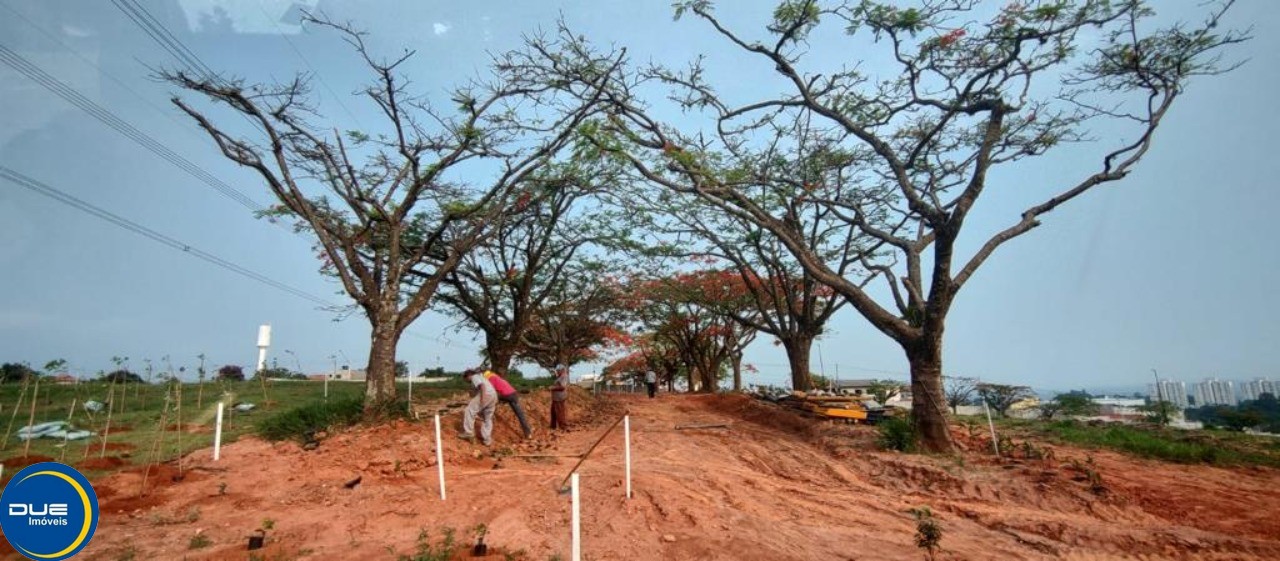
<point>772,486</point>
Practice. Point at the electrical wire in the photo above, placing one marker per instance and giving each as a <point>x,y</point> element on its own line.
<point>70,95</point>
<point>32,184</point>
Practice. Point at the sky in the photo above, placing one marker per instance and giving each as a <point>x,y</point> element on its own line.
<point>1172,269</point>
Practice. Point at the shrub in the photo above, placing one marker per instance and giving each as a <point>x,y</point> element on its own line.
<point>897,433</point>
<point>304,420</point>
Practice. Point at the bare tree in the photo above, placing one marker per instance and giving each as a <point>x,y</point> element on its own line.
<point>958,390</point>
<point>962,98</point>
<point>418,195</point>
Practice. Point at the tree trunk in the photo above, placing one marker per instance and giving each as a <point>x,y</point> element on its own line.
<point>928,401</point>
<point>737,371</point>
<point>798,349</point>
<point>380,374</point>
<point>499,353</point>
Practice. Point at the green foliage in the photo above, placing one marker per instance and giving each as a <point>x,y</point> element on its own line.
<point>897,433</point>
<point>15,372</point>
<point>304,420</point>
<point>199,541</point>
<point>1262,413</point>
<point>231,372</point>
<point>1000,397</point>
<point>122,376</point>
<point>429,551</point>
<point>884,390</point>
<point>279,372</point>
<point>1071,403</point>
<point>1179,446</point>
<point>928,533</point>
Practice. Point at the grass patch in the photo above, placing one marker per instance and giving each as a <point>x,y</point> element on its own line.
<point>138,408</point>
<point>299,422</point>
<point>1171,445</point>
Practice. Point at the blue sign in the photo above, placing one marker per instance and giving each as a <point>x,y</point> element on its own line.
<point>49,511</point>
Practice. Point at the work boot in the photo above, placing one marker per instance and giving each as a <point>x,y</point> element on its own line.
<point>467,437</point>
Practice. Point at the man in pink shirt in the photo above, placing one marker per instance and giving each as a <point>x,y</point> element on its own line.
<point>510,396</point>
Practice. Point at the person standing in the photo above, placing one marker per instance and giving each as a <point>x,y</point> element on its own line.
<point>651,381</point>
<point>508,395</point>
<point>483,402</point>
<point>559,399</point>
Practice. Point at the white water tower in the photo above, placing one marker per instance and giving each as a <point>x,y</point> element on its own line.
<point>264,341</point>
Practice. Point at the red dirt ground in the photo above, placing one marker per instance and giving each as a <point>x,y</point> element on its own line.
<point>772,486</point>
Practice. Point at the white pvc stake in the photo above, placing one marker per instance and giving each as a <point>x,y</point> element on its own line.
<point>217,434</point>
<point>576,554</point>
<point>626,432</point>
<point>326,388</point>
<point>992,425</point>
<point>439,457</point>
<point>411,392</point>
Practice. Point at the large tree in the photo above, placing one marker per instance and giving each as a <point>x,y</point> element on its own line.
<point>416,195</point>
<point>578,322</point>
<point>781,298</point>
<point>958,91</point>
<point>692,313</point>
<point>500,287</point>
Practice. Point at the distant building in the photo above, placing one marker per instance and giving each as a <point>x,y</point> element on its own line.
<point>350,375</point>
<point>64,378</point>
<point>1213,391</point>
<point>1172,391</point>
<point>1254,389</point>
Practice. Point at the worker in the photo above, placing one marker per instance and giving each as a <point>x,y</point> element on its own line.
<point>483,401</point>
<point>559,399</point>
<point>509,396</point>
<point>651,381</point>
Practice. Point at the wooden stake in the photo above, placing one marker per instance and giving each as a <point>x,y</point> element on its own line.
<point>588,453</point>
<point>35,391</point>
<point>708,426</point>
<point>155,447</point>
<point>66,431</point>
<point>179,384</point>
<point>14,415</point>
<point>111,405</point>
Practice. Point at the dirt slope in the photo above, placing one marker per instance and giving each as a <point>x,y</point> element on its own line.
<point>771,487</point>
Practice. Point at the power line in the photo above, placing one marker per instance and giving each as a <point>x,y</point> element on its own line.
<point>54,38</point>
<point>163,37</point>
<point>25,67</point>
<point>23,180</point>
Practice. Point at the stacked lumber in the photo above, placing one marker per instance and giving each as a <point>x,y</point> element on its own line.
<point>828,406</point>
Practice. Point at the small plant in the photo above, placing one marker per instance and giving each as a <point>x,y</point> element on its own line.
<point>268,524</point>
<point>480,548</point>
<point>193,514</point>
<point>222,488</point>
<point>928,532</point>
<point>128,554</point>
<point>897,433</point>
<point>199,541</point>
<point>428,551</point>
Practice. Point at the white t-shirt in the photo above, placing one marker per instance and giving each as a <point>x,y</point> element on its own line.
<point>650,377</point>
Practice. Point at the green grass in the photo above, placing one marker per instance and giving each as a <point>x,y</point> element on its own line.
<point>1171,445</point>
<point>311,417</point>
<point>138,410</point>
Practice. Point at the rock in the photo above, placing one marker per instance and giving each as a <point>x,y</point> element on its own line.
<point>668,538</point>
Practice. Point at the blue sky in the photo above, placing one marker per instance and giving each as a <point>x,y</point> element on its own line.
<point>1172,269</point>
